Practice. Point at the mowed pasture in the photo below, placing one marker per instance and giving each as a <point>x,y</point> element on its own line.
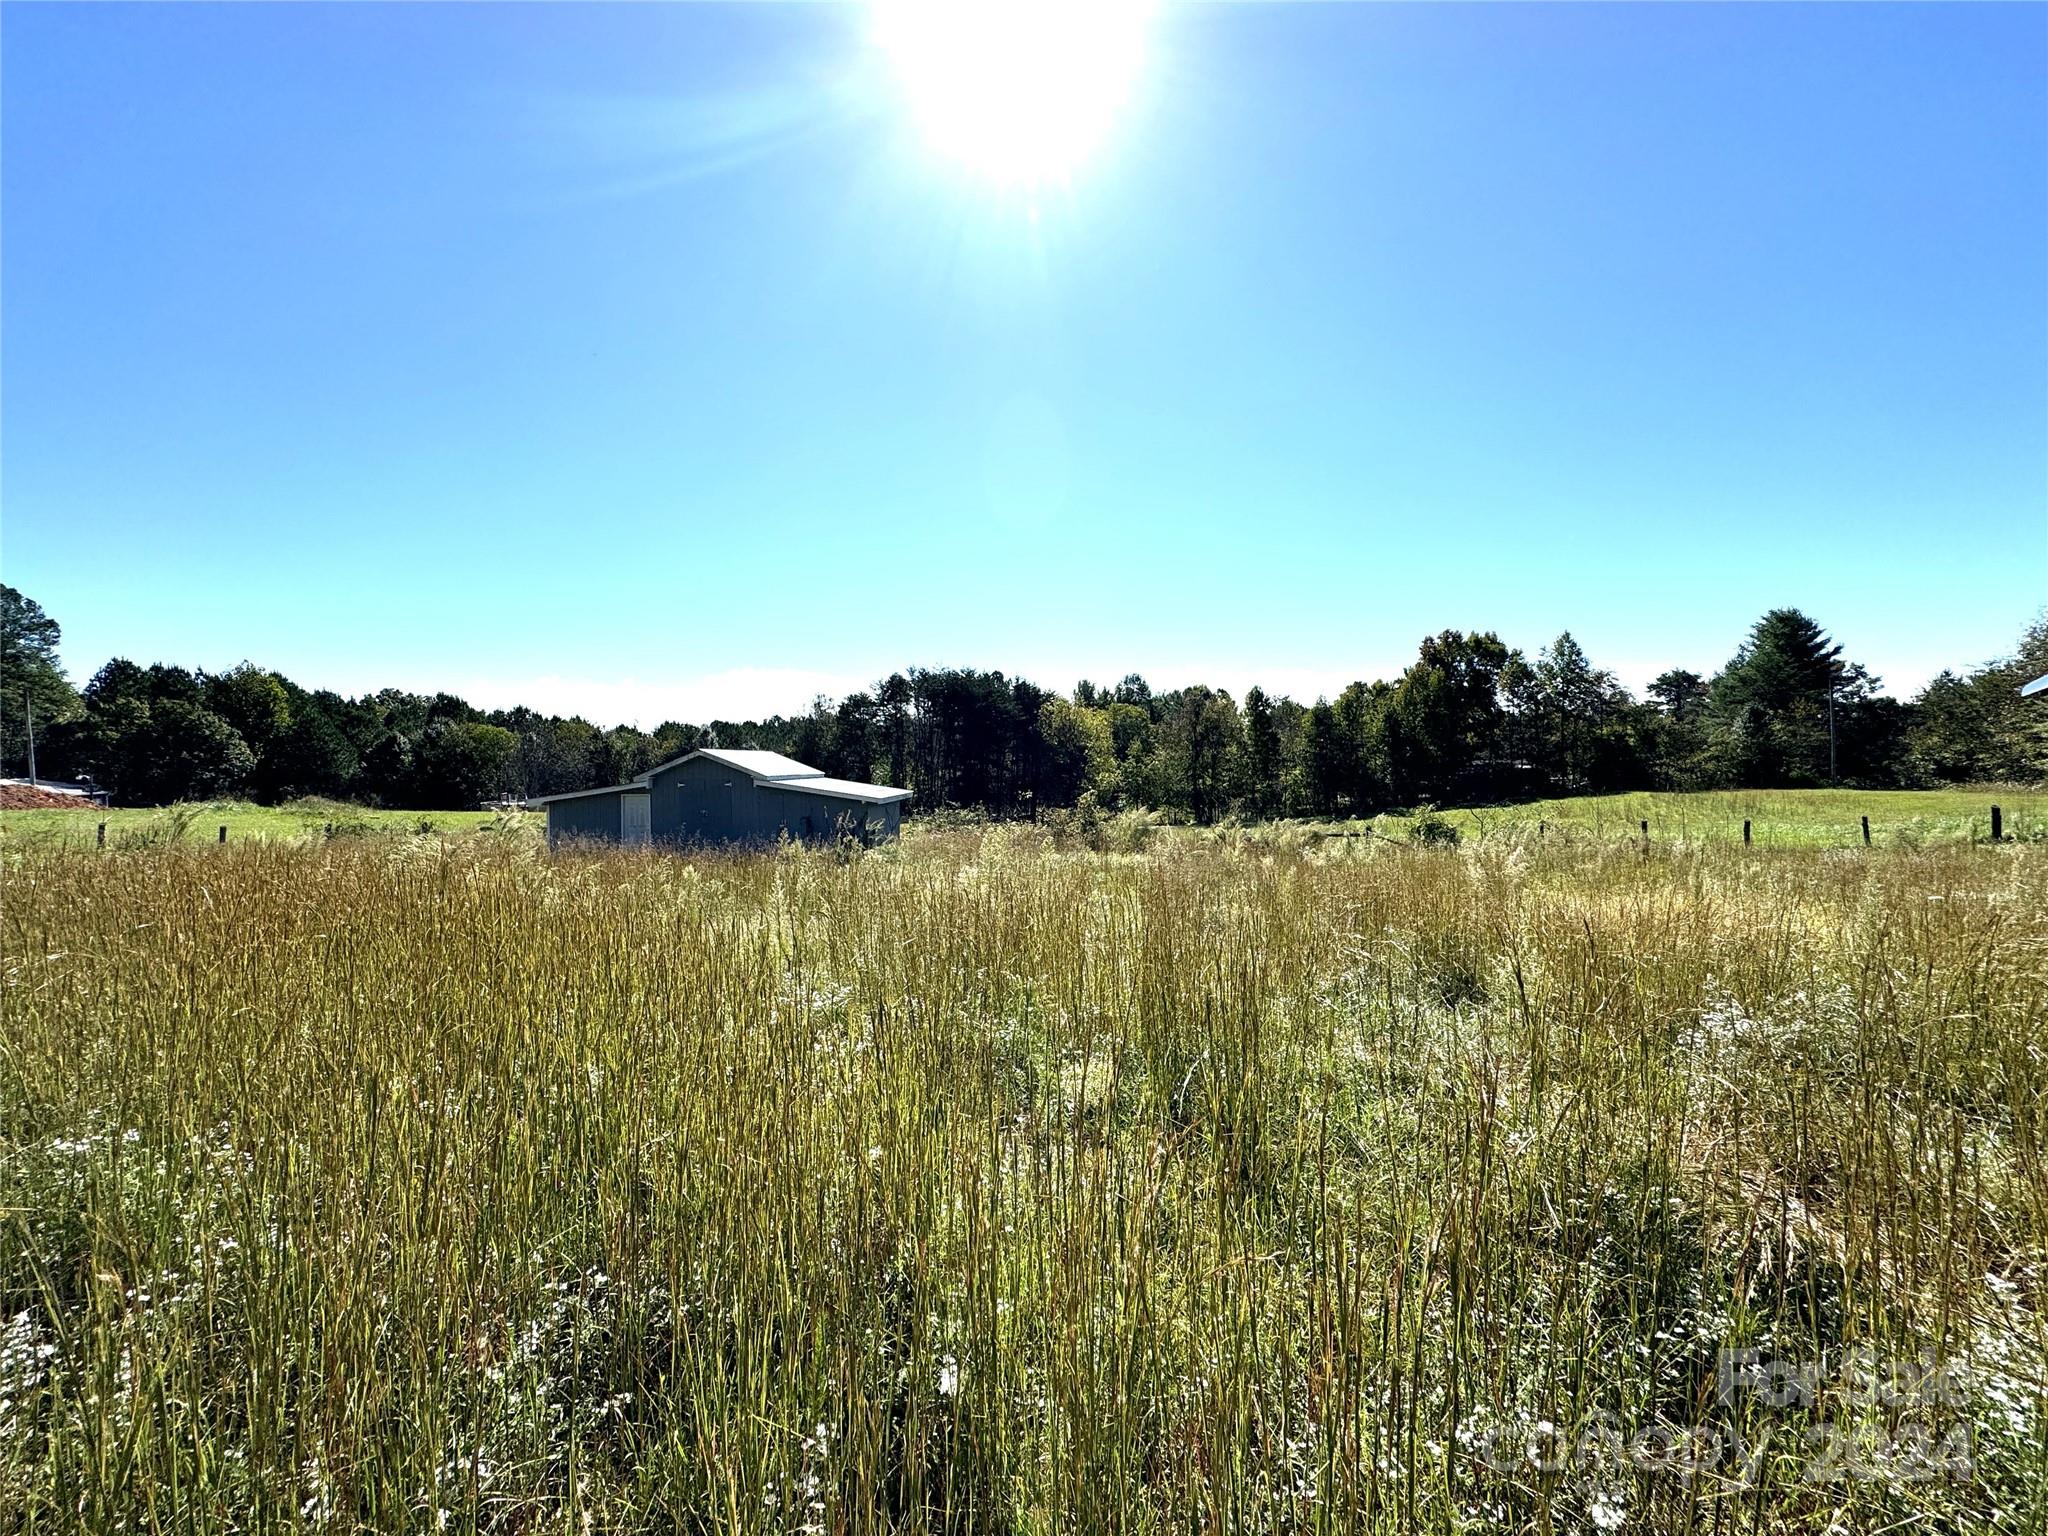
<point>980,1184</point>
<point>1778,818</point>
<point>1816,818</point>
<point>202,821</point>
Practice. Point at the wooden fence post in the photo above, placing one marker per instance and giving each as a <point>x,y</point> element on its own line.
<point>1745,833</point>
<point>103,834</point>
<point>1645,825</point>
<point>1997,824</point>
<point>1866,831</point>
<point>223,834</point>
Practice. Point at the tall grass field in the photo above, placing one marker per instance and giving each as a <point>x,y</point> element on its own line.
<point>1533,1183</point>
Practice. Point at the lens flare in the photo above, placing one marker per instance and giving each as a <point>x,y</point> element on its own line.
<point>1021,92</point>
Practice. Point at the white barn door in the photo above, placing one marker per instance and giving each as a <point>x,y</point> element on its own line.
<point>634,828</point>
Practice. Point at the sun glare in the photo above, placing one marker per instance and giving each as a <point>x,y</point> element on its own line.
<point>1021,90</point>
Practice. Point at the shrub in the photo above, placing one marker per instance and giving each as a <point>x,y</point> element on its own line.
<point>1432,831</point>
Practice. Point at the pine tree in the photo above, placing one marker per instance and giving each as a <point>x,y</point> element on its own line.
<point>1769,707</point>
<point>1261,753</point>
<point>1319,760</point>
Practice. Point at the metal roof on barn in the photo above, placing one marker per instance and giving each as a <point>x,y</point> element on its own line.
<point>841,789</point>
<point>759,765</point>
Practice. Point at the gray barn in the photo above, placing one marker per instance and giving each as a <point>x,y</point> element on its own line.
<point>712,796</point>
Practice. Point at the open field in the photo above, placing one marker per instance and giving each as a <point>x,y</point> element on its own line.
<point>1780,818</point>
<point>1797,818</point>
<point>406,1184</point>
<point>201,823</point>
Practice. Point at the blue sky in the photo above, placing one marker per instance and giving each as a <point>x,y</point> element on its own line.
<point>654,361</point>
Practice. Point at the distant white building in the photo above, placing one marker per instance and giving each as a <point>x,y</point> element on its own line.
<point>85,790</point>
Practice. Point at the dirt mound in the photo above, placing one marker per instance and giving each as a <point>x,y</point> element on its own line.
<point>26,797</point>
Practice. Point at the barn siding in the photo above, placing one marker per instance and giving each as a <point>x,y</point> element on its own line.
<point>787,807</point>
<point>704,801</point>
<point>588,816</point>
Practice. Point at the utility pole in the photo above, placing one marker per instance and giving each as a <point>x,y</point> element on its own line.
<point>1832,784</point>
<point>28,709</point>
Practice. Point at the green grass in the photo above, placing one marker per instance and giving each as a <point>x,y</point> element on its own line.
<point>201,823</point>
<point>1802,818</point>
<point>1796,818</point>
<point>398,1184</point>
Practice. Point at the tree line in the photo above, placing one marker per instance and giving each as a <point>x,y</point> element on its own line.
<point>1469,721</point>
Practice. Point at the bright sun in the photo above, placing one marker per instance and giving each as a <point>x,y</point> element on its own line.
<point>1022,90</point>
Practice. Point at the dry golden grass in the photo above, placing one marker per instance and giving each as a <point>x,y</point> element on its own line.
<point>977,1185</point>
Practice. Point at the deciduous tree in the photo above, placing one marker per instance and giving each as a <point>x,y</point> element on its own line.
<point>32,680</point>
